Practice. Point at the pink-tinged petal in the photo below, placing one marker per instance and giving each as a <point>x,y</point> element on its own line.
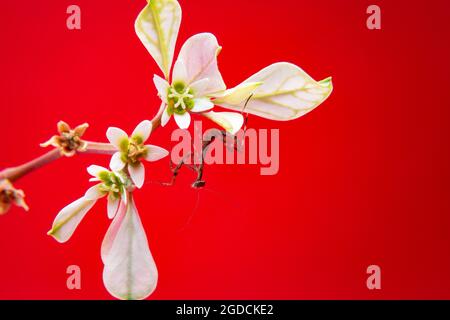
<point>69,218</point>
<point>240,94</point>
<point>180,71</point>
<point>230,121</point>
<point>137,174</point>
<point>155,153</point>
<point>165,117</point>
<point>183,120</point>
<point>118,138</point>
<point>94,193</point>
<point>162,86</point>
<point>124,197</point>
<point>113,229</point>
<point>130,272</point>
<point>199,87</point>
<point>142,131</point>
<point>202,105</point>
<point>198,60</point>
<point>116,163</point>
<point>95,170</point>
<point>113,206</point>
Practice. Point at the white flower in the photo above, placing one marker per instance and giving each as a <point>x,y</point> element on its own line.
<point>129,269</point>
<point>279,92</point>
<point>196,81</point>
<point>112,184</point>
<point>131,151</point>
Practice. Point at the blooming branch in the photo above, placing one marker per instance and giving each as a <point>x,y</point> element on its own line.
<point>67,143</point>
<point>130,271</point>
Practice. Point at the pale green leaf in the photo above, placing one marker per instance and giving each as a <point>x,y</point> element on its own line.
<point>286,93</point>
<point>157,27</point>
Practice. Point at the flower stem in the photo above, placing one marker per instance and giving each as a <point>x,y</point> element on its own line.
<point>15,173</point>
<point>99,148</point>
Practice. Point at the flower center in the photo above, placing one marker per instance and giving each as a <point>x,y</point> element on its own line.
<point>112,183</point>
<point>180,98</point>
<point>69,141</point>
<point>136,151</point>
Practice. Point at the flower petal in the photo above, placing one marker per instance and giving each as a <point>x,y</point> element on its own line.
<point>165,117</point>
<point>183,120</point>
<point>94,193</point>
<point>95,170</point>
<point>63,127</point>
<point>199,87</point>
<point>198,60</point>
<point>157,27</point>
<point>113,206</point>
<point>142,131</point>
<point>53,141</point>
<point>137,174</point>
<point>162,86</point>
<point>179,72</point>
<point>287,93</point>
<point>116,163</point>
<point>111,234</point>
<point>155,153</point>
<point>202,105</point>
<point>130,271</point>
<point>238,94</point>
<point>69,218</point>
<point>124,197</point>
<point>230,121</point>
<point>118,138</point>
<point>81,129</point>
<point>19,200</point>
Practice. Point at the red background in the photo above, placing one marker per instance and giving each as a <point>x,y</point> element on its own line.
<point>364,179</point>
